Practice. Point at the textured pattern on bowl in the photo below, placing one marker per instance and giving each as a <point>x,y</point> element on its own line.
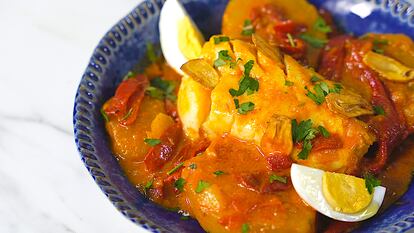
<point>124,46</point>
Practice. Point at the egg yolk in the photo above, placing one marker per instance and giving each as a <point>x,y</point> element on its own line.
<point>345,193</point>
<point>190,40</point>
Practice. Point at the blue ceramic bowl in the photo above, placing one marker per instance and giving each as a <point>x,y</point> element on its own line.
<point>124,46</point>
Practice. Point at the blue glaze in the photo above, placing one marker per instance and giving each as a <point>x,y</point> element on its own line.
<point>124,46</point>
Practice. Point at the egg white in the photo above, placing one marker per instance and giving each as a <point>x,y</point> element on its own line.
<point>308,184</point>
<point>171,14</point>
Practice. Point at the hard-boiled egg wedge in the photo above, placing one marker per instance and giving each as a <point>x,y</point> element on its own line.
<point>338,196</point>
<point>179,36</point>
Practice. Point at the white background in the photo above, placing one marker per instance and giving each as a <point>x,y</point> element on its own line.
<point>45,46</point>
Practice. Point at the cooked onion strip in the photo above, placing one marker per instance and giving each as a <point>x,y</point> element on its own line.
<point>202,72</point>
<point>348,104</point>
<point>266,49</point>
<point>388,68</point>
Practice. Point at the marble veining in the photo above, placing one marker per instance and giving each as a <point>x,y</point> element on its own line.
<point>44,186</point>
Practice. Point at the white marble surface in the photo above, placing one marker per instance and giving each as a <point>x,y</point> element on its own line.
<point>44,48</point>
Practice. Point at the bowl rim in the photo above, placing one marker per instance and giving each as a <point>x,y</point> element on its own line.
<point>83,108</point>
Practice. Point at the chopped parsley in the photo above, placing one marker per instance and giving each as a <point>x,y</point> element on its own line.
<point>219,39</point>
<point>306,149</point>
<point>247,83</point>
<point>304,132</point>
<point>248,29</point>
<point>318,97</point>
<point>315,79</point>
<point>336,88</point>
<point>324,132</point>
<point>218,173</point>
<point>280,179</point>
<point>152,56</point>
<point>104,115</point>
<point>129,75</point>
<point>175,168</point>
<point>128,114</point>
<point>193,166</point>
<point>291,41</point>
<point>377,45</point>
<point>320,25</point>
<point>152,141</point>
<point>288,83</point>
<point>179,184</point>
<point>321,90</point>
<point>201,186</point>
<point>313,41</point>
<point>379,110</point>
<point>161,89</point>
<point>245,108</point>
<point>371,182</point>
<point>223,57</point>
<point>236,103</point>
<point>184,218</point>
<point>245,228</point>
<point>148,185</point>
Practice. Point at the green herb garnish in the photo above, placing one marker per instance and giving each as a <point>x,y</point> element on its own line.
<point>193,166</point>
<point>201,186</point>
<point>245,108</point>
<point>184,218</point>
<point>315,79</point>
<point>245,228</point>
<point>280,179</point>
<point>128,114</point>
<point>246,84</point>
<point>129,75</point>
<point>179,184</point>
<point>148,185</point>
<point>379,110</point>
<point>223,57</point>
<point>324,131</point>
<point>376,45</point>
<point>321,90</point>
<point>288,83</point>
<point>175,168</point>
<point>218,173</point>
<point>236,103</point>
<point>336,88</point>
<point>104,115</point>
<point>304,132</point>
<point>320,25</point>
<point>219,39</point>
<point>291,41</point>
<point>313,41</point>
<point>161,89</point>
<point>152,141</point>
<point>306,149</point>
<point>152,56</point>
<point>371,182</point>
<point>248,29</point>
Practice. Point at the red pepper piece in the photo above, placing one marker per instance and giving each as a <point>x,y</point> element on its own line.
<point>127,100</point>
<point>160,154</point>
<point>278,162</point>
<point>321,143</point>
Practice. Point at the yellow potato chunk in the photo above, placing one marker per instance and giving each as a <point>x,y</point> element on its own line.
<point>193,106</point>
<point>345,193</point>
<point>160,123</point>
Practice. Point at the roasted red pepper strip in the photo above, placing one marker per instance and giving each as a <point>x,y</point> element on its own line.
<point>343,56</point>
<point>160,154</point>
<point>127,100</point>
